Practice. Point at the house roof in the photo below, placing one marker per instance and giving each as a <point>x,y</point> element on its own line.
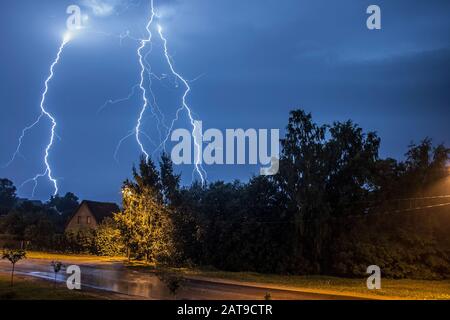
<point>100,210</point>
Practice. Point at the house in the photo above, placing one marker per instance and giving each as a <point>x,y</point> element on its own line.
<point>90,214</point>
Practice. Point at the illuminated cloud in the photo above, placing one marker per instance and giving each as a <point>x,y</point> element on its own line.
<point>103,8</point>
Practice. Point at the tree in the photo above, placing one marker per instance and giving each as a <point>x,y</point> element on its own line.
<point>387,180</point>
<point>145,226</point>
<point>28,222</point>
<point>352,156</point>
<point>125,220</point>
<point>266,228</point>
<point>148,176</point>
<point>170,182</point>
<point>303,175</point>
<point>145,223</point>
<point>219,220</point>
<point>417,162</point>
<point>14,256</point>
<point>7,195</point>
<point>40,234</point>
<point>303,170</point>
<point>181,213</point>
<point>57,267</point>
<point>425,165</point>
<point>439,165</point>
<point>325,171</point>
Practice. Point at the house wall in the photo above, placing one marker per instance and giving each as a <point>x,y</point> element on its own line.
<point>80,220</point>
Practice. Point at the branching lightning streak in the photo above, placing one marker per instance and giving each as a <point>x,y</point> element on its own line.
<point>112,102</point>
<point>141,83</point>
<point>130,133</point>
<point>145,67</point>
<point>201,172</point>
<point>44,112</point>
<point>156,111</point>
<point>119,144</point>
<point>22,136</point>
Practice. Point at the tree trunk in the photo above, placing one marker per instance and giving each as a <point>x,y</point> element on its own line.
<point>12,275</point>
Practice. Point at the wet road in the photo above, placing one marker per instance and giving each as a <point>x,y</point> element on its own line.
<point>114,277</point>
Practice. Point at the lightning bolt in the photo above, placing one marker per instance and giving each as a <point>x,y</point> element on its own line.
<point>44,113</point>
<point>195,129</point>
<point>145,67</point>
<point>141,83</point>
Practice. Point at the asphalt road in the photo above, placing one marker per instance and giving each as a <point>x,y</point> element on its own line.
<point>114,277</point>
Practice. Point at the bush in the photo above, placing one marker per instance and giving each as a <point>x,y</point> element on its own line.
<point>107,240</point>
<point>408,245</point>
<point>79,241</point>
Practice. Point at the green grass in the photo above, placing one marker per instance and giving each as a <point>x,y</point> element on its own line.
<point>390,289</point>
<point>28,288</point>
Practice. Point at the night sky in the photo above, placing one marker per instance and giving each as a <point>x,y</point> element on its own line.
<point>250,63</point>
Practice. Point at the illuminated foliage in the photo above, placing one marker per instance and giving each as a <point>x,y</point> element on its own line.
<point>144,223</point>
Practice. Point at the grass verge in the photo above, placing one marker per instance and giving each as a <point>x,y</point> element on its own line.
<point>72,257</point>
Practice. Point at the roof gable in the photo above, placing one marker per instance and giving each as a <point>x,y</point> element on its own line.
<point>100,210</point>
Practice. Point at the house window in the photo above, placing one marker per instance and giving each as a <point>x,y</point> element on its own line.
<point>88,220</point>
<point>79,220</point>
